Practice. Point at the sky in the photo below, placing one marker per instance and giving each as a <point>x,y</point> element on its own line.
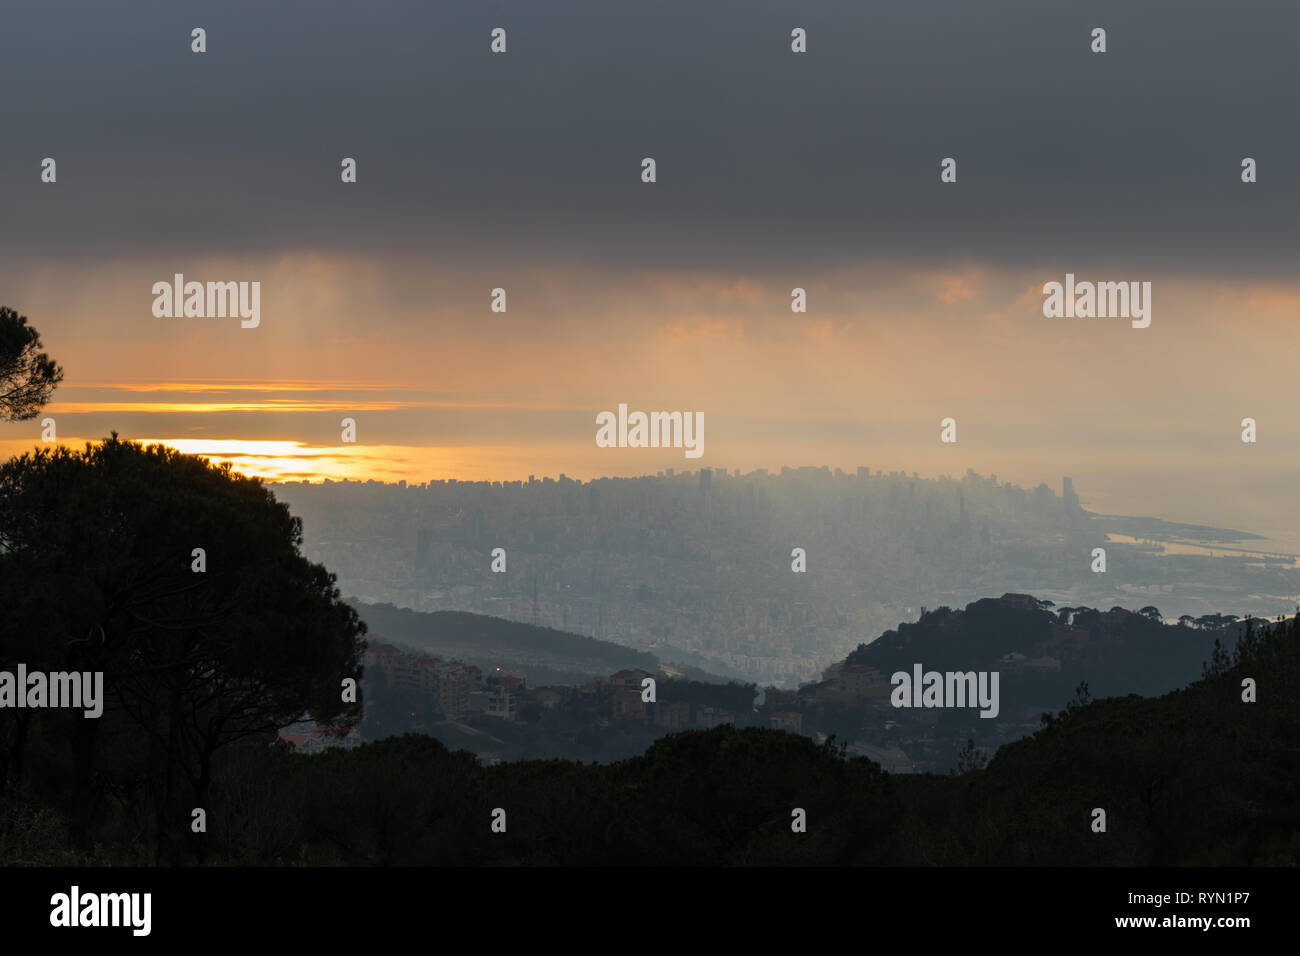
<point>775,170</point>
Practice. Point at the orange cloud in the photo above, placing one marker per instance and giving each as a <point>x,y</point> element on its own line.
<point>821,331</point>
<point>702,328</point>
<point>952,286</point>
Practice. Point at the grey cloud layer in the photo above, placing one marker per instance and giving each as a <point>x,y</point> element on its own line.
<point>767,159</point>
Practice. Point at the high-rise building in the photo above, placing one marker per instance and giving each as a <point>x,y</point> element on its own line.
<point>1068,496</point>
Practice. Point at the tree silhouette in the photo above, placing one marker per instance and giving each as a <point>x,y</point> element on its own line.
<point>27,375</point>
<point>969,759</point>
<point>1221,661</point>
<point>1082,696</point>
<point>97,575</point>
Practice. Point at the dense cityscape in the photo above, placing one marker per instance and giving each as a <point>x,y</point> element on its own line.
<point>697,566</point>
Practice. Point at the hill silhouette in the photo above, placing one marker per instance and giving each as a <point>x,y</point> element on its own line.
<point>1197,776</point>
<point>1200,775</point>
<point>545,655</point>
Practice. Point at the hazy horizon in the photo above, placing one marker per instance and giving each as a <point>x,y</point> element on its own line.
<point>1213,499</point>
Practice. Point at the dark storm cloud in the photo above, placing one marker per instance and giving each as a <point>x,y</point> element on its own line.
<point>767,159</point>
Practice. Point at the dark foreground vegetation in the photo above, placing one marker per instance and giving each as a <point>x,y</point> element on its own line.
<point>1196,777</point>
